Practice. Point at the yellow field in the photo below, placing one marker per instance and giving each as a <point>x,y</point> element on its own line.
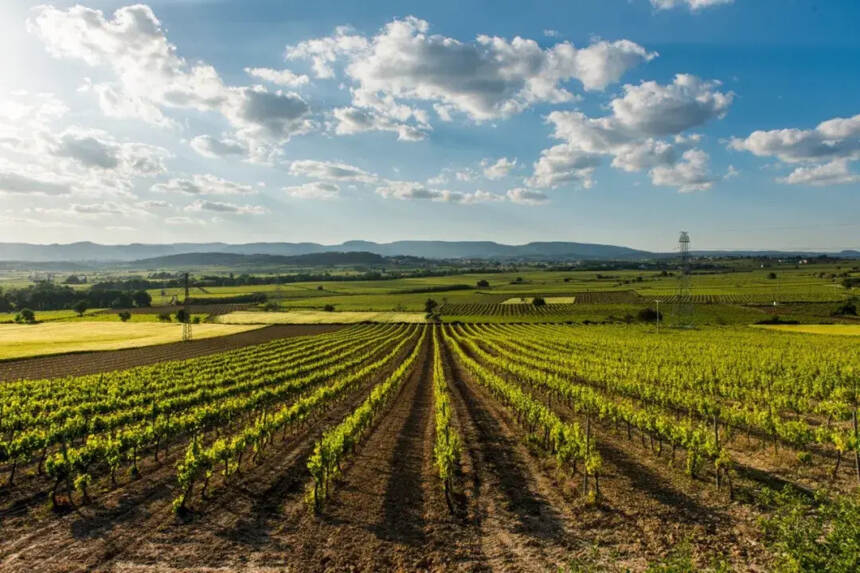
<point>840,329</point>
<point>547,299</point>
<point>317,317</point>
<point>22,340</point>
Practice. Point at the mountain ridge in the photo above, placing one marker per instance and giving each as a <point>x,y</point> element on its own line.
<point>86,251</point>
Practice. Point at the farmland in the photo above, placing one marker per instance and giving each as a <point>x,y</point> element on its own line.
<point>407,446</point>
<point>528,418</point>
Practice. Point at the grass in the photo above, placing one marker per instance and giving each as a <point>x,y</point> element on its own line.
<point>317,317</point>
<point>840,329</point>
<point>25,340</point>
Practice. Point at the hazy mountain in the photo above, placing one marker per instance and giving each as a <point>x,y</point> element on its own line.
<point>93,252</point>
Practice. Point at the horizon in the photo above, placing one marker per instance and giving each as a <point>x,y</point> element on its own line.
<point>447,241</point>
<point>607,122</point>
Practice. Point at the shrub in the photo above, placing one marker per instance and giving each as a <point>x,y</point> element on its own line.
<point>483,283</point>
<point>329,308</point>
<point>771,275</point>
<point>849,308</point>
<point>26,316</point>
<point>649,315</point>
<point>164,317</point>
<point>271,307</point>
<point>80,307</point>
<point>124,315</point>
<point>182,315</point>
<point>538,301</point>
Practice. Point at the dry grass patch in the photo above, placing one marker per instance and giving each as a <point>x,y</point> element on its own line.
<point>23,340</point>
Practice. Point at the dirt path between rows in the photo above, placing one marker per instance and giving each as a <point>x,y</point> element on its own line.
<point>522,521</point>
<point>388,511</point>
<point>79,364</point>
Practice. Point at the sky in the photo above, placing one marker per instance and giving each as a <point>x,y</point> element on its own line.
<point>601,121</point>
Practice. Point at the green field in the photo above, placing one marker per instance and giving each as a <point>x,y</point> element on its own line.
<point>318,317</point>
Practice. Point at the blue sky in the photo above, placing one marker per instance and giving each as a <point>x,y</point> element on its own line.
<point>613,121</point>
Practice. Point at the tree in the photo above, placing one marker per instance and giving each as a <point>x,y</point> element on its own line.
<point>80,307</point>
<point>26,316</point>
<point>771,275</point>
<point>122,300</point>
<point>182,315</point>
<point>73,280</point>
<point>141,299</point>
<point>124,315</point>
<point>164,317</point>
<point>848,308</point>
<point>649,315</point>
<point>538,301</point>
<point>430,307</point>
<point>329,308</point>
<point>483,283</point>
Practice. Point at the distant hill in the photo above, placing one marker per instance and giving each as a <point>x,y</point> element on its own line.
<point>559,250</point>
<point>237,260</point>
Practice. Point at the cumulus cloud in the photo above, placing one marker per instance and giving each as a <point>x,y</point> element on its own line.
<point>491,77</point>
<point>330,171</point>
<point>837,138</point>
<point>643,132</point>
<point>18,183</point>
<point>214,147</point>
<point>280,77</point>
<point>499,169</point>
<point>526,196</point>
<point>151,77</point>
<point>203,184</point>
<point>835,172</point>
<point>689,174</point>
<point>693,5</point>
<point>313,190</point>
<point>828,150</point>
<point>95,149</point>
<point>222,207</point>
<point>352,120</point>
<point>562,164</point>
<point>407,190</point>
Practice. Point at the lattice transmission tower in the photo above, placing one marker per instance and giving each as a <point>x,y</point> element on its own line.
<point>684,299</point>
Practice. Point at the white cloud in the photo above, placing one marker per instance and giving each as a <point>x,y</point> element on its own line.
<point>693,5</point>
<point>731,172</point>
<point>488,78</point>
<point>18,183</point>
<point>222,207</point>
<point>352,120</point>
<point>689,174</point>
<point>562,164</point>
<point>203,184</point>
<point>526,196</point>
<point>150,77</point>
<point>280,77</point>
<point>313,190</point>
<point>631,135</point>
<point>95,149</point>
<point>324,52</point>
<point>330,171</point>
<point>827,150</point>
<point>835,172</point>
<point>214,147</point>
<point>837,138</point>
<point>501,168</point>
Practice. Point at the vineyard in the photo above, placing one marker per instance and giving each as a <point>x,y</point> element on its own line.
<point>384,446</point>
